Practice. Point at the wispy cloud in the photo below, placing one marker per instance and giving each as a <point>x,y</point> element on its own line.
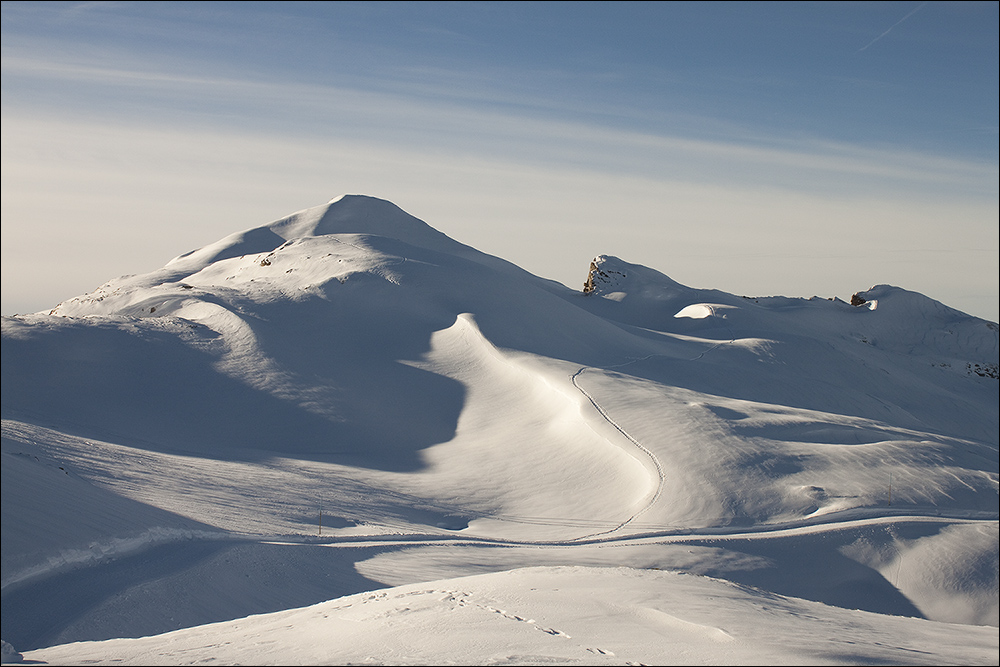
<point>462,126</point>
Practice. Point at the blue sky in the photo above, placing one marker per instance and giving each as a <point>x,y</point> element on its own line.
<point>760,148</point>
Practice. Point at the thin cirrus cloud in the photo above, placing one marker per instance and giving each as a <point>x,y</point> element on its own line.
<point>423,119</point>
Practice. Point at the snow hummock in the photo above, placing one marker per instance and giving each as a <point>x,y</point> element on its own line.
<point>345,437</point>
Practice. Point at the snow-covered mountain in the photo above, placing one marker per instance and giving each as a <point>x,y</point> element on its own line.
<point>347,400</point>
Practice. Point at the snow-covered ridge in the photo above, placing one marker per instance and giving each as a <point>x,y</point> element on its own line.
<point>347,214</point>
<point>890,318</point>
<point>326,231</point>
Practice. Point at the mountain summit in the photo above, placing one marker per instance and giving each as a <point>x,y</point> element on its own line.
<point>351,361</point>
<point>347,214</point>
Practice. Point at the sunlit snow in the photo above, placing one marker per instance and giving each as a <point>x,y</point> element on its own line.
<point>346,438</point>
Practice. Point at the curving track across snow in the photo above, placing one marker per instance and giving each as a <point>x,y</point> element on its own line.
<point>661,477</point>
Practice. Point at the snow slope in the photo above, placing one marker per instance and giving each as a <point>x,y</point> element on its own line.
<point>645,617</point>
<point>306,413</point>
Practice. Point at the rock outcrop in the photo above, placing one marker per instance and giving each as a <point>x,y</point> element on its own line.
<point>598,276</point>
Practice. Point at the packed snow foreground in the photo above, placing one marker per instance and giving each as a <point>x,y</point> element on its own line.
<point>345,437</point>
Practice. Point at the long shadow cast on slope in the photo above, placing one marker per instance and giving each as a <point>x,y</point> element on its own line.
<point>813,567</point>
<point>175,586</point>
<point>143,386</point>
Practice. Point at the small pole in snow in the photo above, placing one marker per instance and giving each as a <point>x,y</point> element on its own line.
<point>890,488</point>
<point>321,522</point>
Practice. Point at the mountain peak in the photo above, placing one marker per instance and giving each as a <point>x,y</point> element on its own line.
<point>610,275</point>
<point>377,228</point>
<point>347,214</point>
<point>361,214</point>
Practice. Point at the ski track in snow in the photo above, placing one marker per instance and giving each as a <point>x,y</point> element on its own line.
<point>661,476</point>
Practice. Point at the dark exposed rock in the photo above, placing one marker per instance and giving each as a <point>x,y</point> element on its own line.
<point>588,285</point>
<point>596,276</point>
<point>985,370</point>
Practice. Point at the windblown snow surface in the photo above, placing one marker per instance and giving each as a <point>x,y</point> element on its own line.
<point>345,437</point>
